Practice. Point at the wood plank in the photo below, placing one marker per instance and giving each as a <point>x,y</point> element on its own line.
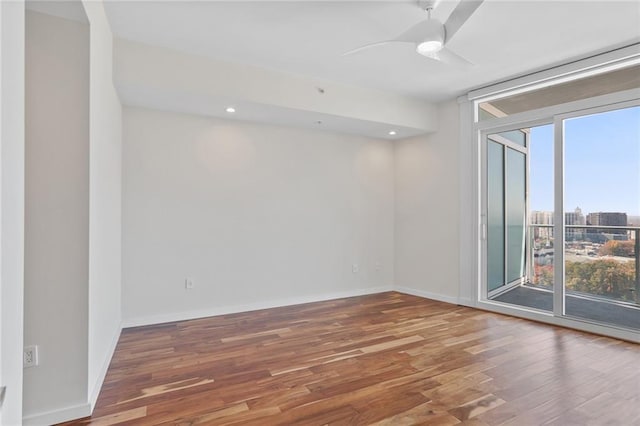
<point>117,418</point>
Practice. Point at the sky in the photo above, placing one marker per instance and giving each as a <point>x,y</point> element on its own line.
<point>602,163</point>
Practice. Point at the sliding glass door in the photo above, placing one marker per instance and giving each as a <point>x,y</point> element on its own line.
<point>560,215</point>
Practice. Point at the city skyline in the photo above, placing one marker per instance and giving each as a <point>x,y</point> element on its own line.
<point>576,217</point>
<point>602,163</point>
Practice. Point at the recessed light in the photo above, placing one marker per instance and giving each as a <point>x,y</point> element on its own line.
<point>392,133</point>
<point>230,110</point>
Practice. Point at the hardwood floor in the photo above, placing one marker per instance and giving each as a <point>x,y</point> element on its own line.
<point>386,359</point>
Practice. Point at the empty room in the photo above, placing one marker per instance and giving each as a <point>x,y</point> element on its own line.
<point>320,212</point>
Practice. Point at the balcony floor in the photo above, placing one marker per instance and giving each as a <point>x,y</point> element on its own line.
<point>601,311</point>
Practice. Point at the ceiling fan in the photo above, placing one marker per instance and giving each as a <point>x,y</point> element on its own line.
<point>431,36</point>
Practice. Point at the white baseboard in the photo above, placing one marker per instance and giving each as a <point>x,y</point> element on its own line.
<point>427,295</point>
<point>57,416</point>
<point>464,301</point>
<point>225,310</point>
<point>93,396</point>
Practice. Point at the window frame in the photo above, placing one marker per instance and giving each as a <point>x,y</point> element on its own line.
<point>472,288</point>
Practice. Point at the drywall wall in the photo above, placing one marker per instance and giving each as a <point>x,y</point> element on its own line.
<point>255,215</point>
<point>56,212</point>
<point>426,210</point>
<point>11,207</point>
<point>74,158</point>
<point>105,189</point>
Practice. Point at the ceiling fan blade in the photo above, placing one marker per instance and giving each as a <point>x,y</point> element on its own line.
<point>449,57</point>
<point>414,34</point>
<point>459,16</point>
<point>370,45</point>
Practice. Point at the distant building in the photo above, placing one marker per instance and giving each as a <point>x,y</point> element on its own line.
<point>607,219</point>
<point>575,218</point>
<point>542,218</point>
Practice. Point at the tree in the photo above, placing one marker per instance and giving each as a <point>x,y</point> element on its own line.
<point>617,248</point>
<point>602,277</point>
<point>543,275</point>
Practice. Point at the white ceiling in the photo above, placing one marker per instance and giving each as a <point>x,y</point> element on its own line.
<point>503,38</point>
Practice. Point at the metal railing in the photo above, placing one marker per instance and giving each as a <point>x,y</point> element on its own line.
<point>587,243</point>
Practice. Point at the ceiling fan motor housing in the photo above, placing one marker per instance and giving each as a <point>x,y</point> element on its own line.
<point>431,38</point>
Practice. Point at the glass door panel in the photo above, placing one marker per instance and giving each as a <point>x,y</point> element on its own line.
<point>520,243</point>
<point>602,217</point>
<point>506,206</point>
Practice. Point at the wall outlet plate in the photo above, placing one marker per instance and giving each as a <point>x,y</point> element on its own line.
<point>30,356</point>
<point>188,284</point>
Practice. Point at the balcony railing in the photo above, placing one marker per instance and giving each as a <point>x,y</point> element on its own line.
<point>600,261</point>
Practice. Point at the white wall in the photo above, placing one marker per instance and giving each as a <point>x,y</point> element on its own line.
<point>56,211</point>
<point>74,169</point>
<point>426,210</point>
<point>255,215</point>
<point>12,207</point>
<point>105,188</point>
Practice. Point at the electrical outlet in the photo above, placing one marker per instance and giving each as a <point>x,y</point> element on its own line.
<point>188,284</point>
<point>30,356</point>
<point>355,268</point>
